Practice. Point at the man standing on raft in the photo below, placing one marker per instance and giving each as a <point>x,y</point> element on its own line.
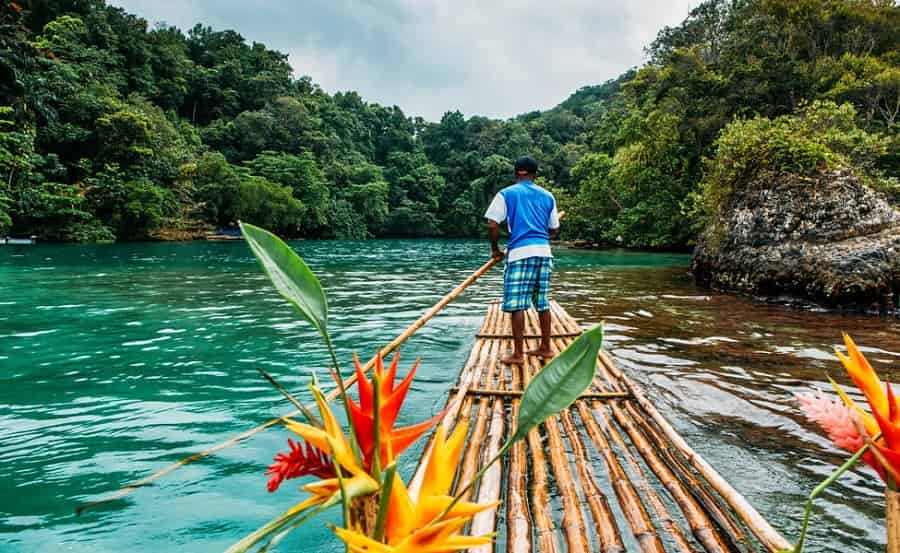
<point>530,212</point>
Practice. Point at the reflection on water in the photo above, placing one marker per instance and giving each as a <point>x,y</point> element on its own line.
<point>117,360</point>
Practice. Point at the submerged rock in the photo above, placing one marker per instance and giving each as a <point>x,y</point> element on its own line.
<point>829,239</point>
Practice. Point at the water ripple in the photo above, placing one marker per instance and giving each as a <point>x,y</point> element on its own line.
<point>117,360</point>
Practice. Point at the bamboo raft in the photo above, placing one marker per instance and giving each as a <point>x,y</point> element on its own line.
<point>624,479</point>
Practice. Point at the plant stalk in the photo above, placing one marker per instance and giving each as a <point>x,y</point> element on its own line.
<point>821,488</point>
<point>354,442</point>
<point>376,415</point>
<point>384,501</point>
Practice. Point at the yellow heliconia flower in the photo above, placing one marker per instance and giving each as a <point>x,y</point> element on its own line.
<point>410,526</point>
<point>437,538</point>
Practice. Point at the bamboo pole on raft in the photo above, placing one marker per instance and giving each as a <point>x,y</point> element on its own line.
<point>769,537</point>
<point>518,516</point>
<point>540,496</point>
<point>545,527</point>
<point>695,514</point>
<point>571,326</point>
<point>459,404</point>
<point>572,521</point>
<point>405,335</point>
<point>709,507</point>
<point>469,464</point>
<point>608,536</point>
<point>635,513</point>
<point>701,526</point>
<point>662,513</point>
<point>607,531</point>
<point>485,522</point>
<point>659,508</point>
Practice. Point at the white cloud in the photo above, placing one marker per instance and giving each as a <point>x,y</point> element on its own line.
<point>497,58</point>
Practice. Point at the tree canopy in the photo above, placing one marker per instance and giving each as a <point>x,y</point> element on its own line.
<point>112,129</point>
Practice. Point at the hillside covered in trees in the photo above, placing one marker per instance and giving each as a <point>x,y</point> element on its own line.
<point>114,130</point>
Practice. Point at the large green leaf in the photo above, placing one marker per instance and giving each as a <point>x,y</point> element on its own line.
<point>559,383</point>
<point>290,275</point>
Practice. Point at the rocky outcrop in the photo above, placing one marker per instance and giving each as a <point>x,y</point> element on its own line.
<point>829,240</point>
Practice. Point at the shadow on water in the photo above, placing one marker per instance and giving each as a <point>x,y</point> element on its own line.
<point>117,360</point>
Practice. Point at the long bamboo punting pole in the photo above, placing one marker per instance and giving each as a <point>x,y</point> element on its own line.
<point>750,516</point>
<point>394,344</point>
<point>518,516</point>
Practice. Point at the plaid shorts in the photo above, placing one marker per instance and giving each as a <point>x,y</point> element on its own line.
<point>527,280</point>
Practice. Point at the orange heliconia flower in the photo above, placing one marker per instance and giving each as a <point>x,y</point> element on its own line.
<point>885,417</point>
<point>390,399</point>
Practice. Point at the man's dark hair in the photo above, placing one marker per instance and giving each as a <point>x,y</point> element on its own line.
<point>526,165</point>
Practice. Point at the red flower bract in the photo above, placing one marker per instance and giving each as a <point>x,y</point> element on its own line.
<point>298,462</point>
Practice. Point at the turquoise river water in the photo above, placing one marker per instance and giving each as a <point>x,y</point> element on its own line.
<point>117,360</point>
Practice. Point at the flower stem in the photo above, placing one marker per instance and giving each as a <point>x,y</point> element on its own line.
<point>821,488</point>
<point>376,400</point>
<point>345,501</point>
<point>384,501</point>
<point>354,443</point>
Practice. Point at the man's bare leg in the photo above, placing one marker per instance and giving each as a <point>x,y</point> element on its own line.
<point>544,350</point>
<point>518,327</point>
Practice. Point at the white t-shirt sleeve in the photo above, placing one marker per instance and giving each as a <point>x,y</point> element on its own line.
<point>554,218</point>
<point>497,210</point>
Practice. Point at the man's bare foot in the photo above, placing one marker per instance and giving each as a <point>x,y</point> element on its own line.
<point>513,359</point>
<point>543,353</point>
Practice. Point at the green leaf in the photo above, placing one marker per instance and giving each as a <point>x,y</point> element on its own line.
<point>290,275</point>
<point>559,383</point>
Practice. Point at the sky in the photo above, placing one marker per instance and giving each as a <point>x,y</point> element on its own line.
<point>497,58</point>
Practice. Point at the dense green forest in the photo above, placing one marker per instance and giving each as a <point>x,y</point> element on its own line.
<point>111,129</point>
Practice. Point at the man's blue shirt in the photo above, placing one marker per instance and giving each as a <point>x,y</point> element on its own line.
<point>530,211</point>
